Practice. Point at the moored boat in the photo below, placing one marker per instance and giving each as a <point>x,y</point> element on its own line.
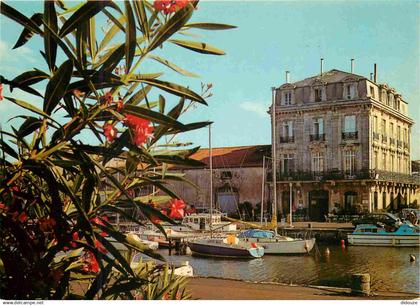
<point>276,244</point>
<point>407,235</point>
<point>227,248</point>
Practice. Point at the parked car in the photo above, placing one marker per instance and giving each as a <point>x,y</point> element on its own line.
<point>374,218</point>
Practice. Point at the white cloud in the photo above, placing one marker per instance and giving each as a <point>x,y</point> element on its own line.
<point>10,59</point>
<point>256,107</point>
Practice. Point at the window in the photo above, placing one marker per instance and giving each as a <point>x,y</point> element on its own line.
<point>318,162</point>
<point>375,160</point>
<point>349,92</point>
<point>391,129</point>
<point>350,123</point>
<point>399,133</point>
<point>288,129</point>
<point>375,123</point>
<point>349,162</point>
<point>383,127</point>
<point>318,94</point>
<point>226,175</point>
<point>372,91</point>
<point>384,161</point>
<point>405,139</point>
<point>398,164</point>
<point>392,165</point>
<point>287,98</point>
<point>318,127</point>
<point>288,163</point>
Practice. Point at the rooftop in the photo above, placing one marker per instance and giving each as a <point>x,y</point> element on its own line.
<point>332,76</point>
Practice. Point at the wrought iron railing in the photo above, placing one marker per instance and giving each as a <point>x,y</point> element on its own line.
<point>287,139</point>
<point>384,139</point>
<point>344,175</point>
<point>349,135</point>
<point>317,137</point>
<point>406,146</point>
<point>376,136</point>
<point>399,143</point>
<point>392,141</point>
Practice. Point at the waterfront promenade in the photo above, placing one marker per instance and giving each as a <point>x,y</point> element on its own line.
<point>209,288</point>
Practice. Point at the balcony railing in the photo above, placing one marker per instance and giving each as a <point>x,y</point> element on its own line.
<point>384,139</point>
<point>376,136</point>
<point>287,139</point>
<point>392,141</point>
<point>317,137</point>
<point>349,135</point>
<point>406,145</point>
<point>345,175</point>
<point>399,143</point>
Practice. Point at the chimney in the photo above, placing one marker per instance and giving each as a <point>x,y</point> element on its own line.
<point>287,77</point>
<point>375,74</point>
<point>352,65</point>
<point>322,66</point>
<point>371,76</point>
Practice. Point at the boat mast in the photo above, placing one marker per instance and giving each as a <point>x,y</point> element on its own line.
<point>273,153</point>
<point>211,183</point>
<point>262,191</point>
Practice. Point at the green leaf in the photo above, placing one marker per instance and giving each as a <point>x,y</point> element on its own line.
<point>139,96</point>
<point>141,17</point>
<point>92,38</point>
<point>112,61</point>
<point>100,81</point>
<point>199,47</point>
<point>189,127</point>
<point>87,192</point>
<point>130,37</point>
<point>27,33</point>
<point>173,66</point>
<point>176,22</point>
<point>28,126</point>
<point>210,26</point>
<point>161,104</point>
<point>83,14</point>
<point>175,89</point>
<point>50,46</point>
<point>151,115</point>
<point>57,86</point>
<point>27,106</point>
<point>117,289</point>
<point>15,15</point>
<point>30,77</point>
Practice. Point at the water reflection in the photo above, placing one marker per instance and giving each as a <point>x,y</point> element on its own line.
<point>389,268</point>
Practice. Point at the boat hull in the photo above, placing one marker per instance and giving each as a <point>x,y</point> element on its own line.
<point>227,251</point>
<point>383,240</point>
<point>283,247</point>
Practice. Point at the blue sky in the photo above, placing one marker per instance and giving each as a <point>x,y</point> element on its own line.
<point>272,37</point>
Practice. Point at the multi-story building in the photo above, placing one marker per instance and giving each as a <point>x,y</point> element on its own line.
<point>343,144</point>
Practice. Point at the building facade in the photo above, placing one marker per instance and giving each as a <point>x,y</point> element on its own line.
<point>342,145</point>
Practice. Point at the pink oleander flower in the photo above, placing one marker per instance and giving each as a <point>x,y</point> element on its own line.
<point>176,208</point>
<point>170,6</point>
<point>141,129</point>
<point>110,132</point>
<point>1,92</point>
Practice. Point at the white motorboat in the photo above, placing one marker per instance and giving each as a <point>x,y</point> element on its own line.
<point>407,235</point>
<point>276,244</point>
<point>201,222</point>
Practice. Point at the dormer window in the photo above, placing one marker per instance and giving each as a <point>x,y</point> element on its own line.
<point>318,94</point>
<point>348,92</point>
<point>372,92</point>
<point>287,98</point>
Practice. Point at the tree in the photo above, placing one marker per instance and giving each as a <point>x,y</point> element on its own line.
<point>57,190</point>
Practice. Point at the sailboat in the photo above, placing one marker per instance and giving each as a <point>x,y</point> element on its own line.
<point>228,247</point>
<point>269,239</point>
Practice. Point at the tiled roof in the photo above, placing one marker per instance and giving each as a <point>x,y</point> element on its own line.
<point>239,156</point>
<point>332,76</point>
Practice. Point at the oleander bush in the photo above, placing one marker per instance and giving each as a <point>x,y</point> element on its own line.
<point>56,189</point>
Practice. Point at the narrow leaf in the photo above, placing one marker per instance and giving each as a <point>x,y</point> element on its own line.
<point>210,26</point>
<point>141,17</point>
<point>57,86</point>
<point>172,66</point>
<point>130,37</point>
<point>175,89</point>
<point>50,46</point>
<point>151,115</point>
<point>27,33</point>
<point>15,15</point>
<point>199,47</point>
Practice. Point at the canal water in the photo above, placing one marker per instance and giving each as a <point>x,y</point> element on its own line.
<point>390,268</point>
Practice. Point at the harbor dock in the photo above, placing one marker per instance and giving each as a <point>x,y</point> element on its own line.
<point>210,288</point>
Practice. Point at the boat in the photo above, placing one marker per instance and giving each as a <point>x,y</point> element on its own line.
<point>276,244</point>
<point>406,235</point>
<point>201,222</point>
<point>228,247</point>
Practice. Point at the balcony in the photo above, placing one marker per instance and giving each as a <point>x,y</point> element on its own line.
<point>399,143</point>
<point>406,146</point>
<point>384,139</point>
<point>317,137</point>
<point>376,136</point>
<point>349,135</point>
<point>345,175</point>
<point>392,141</point>
<point>287,139</point>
